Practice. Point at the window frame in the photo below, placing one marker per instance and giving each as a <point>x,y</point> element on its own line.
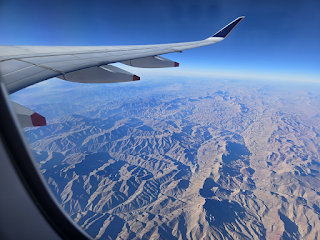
<point>29,174</point>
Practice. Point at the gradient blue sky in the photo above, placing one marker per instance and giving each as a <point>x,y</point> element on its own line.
<point>277,39</point>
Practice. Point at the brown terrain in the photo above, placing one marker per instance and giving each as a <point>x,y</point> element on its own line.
<point>188,160</point>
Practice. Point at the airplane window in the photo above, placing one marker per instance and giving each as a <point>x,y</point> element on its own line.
<point>225,146</point>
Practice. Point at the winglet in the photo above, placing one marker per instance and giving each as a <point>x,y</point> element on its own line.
<point>227,29</point>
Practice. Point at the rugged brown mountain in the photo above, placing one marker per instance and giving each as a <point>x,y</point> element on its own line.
<point>219,160</point>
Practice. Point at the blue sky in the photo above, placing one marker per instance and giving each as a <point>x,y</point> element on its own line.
<point>277,39</point>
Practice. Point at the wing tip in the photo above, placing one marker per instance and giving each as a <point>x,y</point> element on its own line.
<point>227,29</point>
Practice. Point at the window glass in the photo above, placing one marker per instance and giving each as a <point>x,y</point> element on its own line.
<point>224,147</point>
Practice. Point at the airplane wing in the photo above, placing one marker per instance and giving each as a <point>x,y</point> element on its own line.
<point>22,66</point>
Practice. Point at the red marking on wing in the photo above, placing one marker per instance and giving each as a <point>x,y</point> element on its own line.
<point>38,120</point>
<point>136,78</point>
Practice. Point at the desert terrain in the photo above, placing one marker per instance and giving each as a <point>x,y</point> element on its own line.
<point>183,158</point>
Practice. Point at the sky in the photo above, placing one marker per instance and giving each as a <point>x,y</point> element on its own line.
<point>277,39</point>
